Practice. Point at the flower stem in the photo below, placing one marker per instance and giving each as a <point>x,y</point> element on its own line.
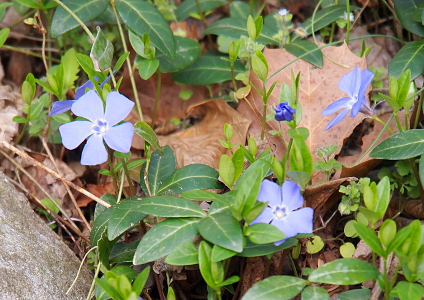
<point>127,174</point>
<point>130,70</point>
<point>155,107</point>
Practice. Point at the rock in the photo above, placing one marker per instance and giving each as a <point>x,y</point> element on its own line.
<point>34,261</point>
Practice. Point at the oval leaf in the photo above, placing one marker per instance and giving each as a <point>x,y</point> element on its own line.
<point>252,250</point>
<point>411,57</point>
<point>146,132</point>
<point>402,145</point>
<point>188,7</point>
<point>167,206</point>
<point>85,10</point>
<point>164,237</point>
<point>370,238</point>
<point>184,255</point>
<point>123,216</point>
<point>189,178</point>
<point>261,233</point>
<point>345,271</point>
<point>223,230</point>
<point>315,293</point>
<point>142,17</point>
<point>276,287</point>
<point>301,47</point>
<point>404,11</point>
<point>207,69</point>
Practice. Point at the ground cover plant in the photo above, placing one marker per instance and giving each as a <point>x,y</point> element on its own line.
<point>223,149</point>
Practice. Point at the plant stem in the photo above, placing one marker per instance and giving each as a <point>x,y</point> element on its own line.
<point>157,95</point>
<point>130,70</point>
<point>127,174</point>
<point>27,52</point>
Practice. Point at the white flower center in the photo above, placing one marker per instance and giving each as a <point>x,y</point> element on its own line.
<point>100,127</point>
<point>280,212</point>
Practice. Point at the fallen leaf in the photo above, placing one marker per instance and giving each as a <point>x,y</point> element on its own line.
<point>317,89</point>
<point>201,142</point>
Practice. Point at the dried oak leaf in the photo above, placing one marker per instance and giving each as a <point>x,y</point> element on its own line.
<point>318,88</point>
<point>9,107</point>
<point>201,142</point>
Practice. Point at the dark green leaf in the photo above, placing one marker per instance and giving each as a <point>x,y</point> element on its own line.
<point>408,291</point>
<point>411,57</point>
<point>146,132</point>
<point>234,28</point>
<point>404,11</point>
<point>355,294</point>
<point>160,168</point>
<point>402,145</point>
<point>123,252</point>
<point>189,178</point>
<point>101,52</point>
<point>344,271</point>
<point>123,216</point>
<point>99,226</point>
<point>188,52</point>
<point>142,17</point>
<point>167,206</point>
<point>207,69</point>
<point>223,230</point>
<point>184,255</point>
<point>188,7</point>
<point>276,287</point>
<point>239,9</point>
<point>85,10</point>
<point>300,47</point>
<point>221,254</point>
<point>164,237</point>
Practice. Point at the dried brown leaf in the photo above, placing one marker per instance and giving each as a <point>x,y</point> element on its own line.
<point>317,89</point>
<point>201,142</point>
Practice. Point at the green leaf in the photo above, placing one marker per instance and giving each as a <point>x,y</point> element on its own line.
<point>261,233</point>
<point>189,178</point>
<point>188,7</point>
<point>19,119</point>
<point>86,64</point>
<point>260,66</point>
<point>207,69</point>
<point>99,226</point>
<point>205,265</point>
<point>123,216</point>
<point>234,28</point>
<point>101,52</point>
<point>121,61</point>
<point>383,199</point>
<point>300,156</point>
<point>188,52</point>
<point>184,255</point>
<point>239,9</point>
<point>147,67</point>
<point>355,294</point>
<point>404,11</point>
<point>146,132</point>
<point>123,252</point>
<point>301,47</point>
<point>4,33</point>
<point>411,57</point>
<point>220,254</point>
<point>344,271</point>
<point>315,293</point>
<point>408,291</point>
<point>70,68</point>
<point>160,168</point>
<point>142,17</point>
<point>167,206</point>
<point>400,237</point>
<point>140,281</point>
<point>223,230</point>
<point>402,145</point>
<point>44,4</point>
<point>370,238</point>
<point>164,237</point>
<point>252,249</point>
<point>226,170</point>
<point>276,287</point>
<point>322,18</point>
<point>85,10</point>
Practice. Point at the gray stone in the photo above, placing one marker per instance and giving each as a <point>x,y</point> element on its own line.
<point>34,261</point>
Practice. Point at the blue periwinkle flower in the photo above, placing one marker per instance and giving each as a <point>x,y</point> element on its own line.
<point>60,107</point>
<point>101,126</point>
<point>283,209</point>
<point>284,112</point>
<point>354,84</point>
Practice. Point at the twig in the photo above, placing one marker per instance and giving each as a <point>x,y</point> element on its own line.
<point>38,164</point>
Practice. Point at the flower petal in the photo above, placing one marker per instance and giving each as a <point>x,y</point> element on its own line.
<point>337,119</point>
<point>60,107</point>
<point>270,192</point>
<point>366,78</point>
<point>119,137</point>
<point>351,82</point>
<point>336,106</point>
<point>266,216</point>
<point>117,108</point>
<point>89,106</point>
<point>292,198</point>
<point>73,133</point>
<point>94,152</point>
<point>81,90</point>
<point>302,220</point>
<point>285,227</point>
